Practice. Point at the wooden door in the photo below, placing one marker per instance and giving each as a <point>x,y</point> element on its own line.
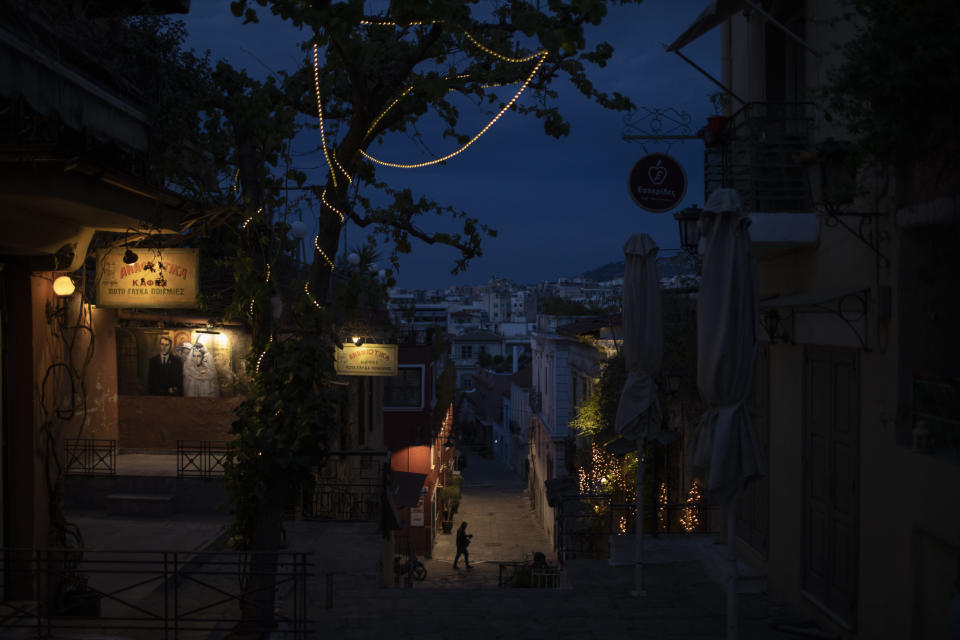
<point>831,469</point>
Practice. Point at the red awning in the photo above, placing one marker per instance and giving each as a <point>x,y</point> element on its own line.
<point>405,489</point>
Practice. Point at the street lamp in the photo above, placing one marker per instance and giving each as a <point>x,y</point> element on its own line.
<point>688,221</point>
<point>832,174</point>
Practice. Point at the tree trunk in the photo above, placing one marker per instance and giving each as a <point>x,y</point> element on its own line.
<point>259,588</point>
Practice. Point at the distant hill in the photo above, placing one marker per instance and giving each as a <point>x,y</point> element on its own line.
<point>667,267</point>
<point>606,272</point>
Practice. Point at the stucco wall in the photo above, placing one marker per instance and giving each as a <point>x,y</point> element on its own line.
<point>157,422</point>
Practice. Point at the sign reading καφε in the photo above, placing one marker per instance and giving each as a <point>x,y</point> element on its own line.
<point>159,279</point>
<point>366,360</point>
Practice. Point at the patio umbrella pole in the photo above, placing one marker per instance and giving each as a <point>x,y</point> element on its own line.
<point>732,622</point>
<point>638,531</point>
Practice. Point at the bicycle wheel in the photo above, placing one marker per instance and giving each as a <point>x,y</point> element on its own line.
<point>420,572</point>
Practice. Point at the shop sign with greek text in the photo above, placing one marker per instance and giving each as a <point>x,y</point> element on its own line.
<point>159,279</point>
<point>657,183</point>
<point>366,360</point>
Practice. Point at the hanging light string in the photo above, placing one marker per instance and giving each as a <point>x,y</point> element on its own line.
<point>248,220</point>
<point>542,55</point>
<point>417,165</point>
<point>323,254</point>
<point>323,135</point>
<point>333,152</point>
<point>323,199</point>
<point>260,359</point>
<point>491,52</point>
<point>306,290</point>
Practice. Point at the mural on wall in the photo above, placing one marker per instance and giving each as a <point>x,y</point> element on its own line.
<point>181,362</point>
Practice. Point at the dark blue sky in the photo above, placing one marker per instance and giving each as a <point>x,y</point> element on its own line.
<point>561,206</point>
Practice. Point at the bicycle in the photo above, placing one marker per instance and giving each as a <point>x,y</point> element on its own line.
<point>402,568</point>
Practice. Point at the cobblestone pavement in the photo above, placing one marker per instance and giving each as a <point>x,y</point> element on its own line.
<point>681,601</point>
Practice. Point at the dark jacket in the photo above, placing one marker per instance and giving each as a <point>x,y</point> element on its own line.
<point>462,539</point>
<point>165,380</point>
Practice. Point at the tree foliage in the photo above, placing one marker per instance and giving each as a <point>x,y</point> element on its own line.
<point>898,87</point>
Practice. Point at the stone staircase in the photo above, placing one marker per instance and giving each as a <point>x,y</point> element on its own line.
<point>148,496</point>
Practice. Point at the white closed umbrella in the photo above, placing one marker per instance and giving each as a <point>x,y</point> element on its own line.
<point>638,411</point>
<point>724,446</point>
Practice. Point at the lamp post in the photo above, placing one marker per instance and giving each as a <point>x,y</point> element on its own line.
<point>688,223</point>
<point>832,177</point>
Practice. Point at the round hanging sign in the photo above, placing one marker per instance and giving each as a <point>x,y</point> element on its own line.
<point>657,183</point>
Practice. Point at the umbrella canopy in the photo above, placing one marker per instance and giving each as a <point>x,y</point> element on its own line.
<point>638,413</point>
<point>727,309</point>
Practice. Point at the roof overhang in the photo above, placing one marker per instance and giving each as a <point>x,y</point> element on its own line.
<point>53,209</point>
<point>713,15</point>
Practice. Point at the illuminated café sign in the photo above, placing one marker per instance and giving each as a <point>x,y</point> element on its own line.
<point>158,279</point>
<point>367,360</point>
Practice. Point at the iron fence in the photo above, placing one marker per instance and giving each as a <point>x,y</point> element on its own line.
<point>160,594</point>
<point>201,458</point>
<point>349,487</point>
<point>585,523</point>
<point>526,574</point>
<point>91,456</point>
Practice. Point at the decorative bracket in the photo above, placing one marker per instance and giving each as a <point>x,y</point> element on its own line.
<point>866,231</point>
<point>657,125</point>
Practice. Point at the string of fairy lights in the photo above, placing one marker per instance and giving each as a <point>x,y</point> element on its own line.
<point>605,473</point>
<point>333,163</point>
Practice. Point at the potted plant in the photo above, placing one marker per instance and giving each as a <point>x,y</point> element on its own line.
<point>450,502</point>
<point>717,123</point>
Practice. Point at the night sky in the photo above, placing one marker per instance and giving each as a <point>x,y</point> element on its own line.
<point>561,206</point>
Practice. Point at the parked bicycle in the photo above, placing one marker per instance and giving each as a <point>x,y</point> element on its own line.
<point>400,568</point>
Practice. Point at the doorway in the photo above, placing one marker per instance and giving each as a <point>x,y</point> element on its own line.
<point>831,470</point>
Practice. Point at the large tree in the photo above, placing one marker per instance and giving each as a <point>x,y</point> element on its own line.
<point>364,77</point>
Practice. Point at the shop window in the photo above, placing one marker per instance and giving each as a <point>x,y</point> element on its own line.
<point>405,390</point>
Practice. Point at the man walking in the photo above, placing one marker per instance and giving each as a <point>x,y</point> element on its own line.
<point>463,541</point>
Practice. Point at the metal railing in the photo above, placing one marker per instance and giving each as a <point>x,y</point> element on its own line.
<point>160,594</point>
<point>757,156</point>
<point>349,487</point>
<point>526,574</point>
<point>91,456</point>
<point>201,458</point>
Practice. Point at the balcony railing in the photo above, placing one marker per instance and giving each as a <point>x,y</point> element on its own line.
<point>349,487</point>
<point>756,156</point>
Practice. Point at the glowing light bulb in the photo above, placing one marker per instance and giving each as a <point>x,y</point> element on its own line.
<point>64,286</point>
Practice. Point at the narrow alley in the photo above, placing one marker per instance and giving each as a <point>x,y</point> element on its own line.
<point>593,601</point>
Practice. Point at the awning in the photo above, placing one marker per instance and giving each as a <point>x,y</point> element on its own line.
<point>405,488</point>
<point>715,13</point>
<point>817,299</point>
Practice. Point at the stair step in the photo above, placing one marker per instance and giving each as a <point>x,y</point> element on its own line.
<point>140,504</point>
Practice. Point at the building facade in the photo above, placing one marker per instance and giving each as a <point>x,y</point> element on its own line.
<point>856,402</point>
